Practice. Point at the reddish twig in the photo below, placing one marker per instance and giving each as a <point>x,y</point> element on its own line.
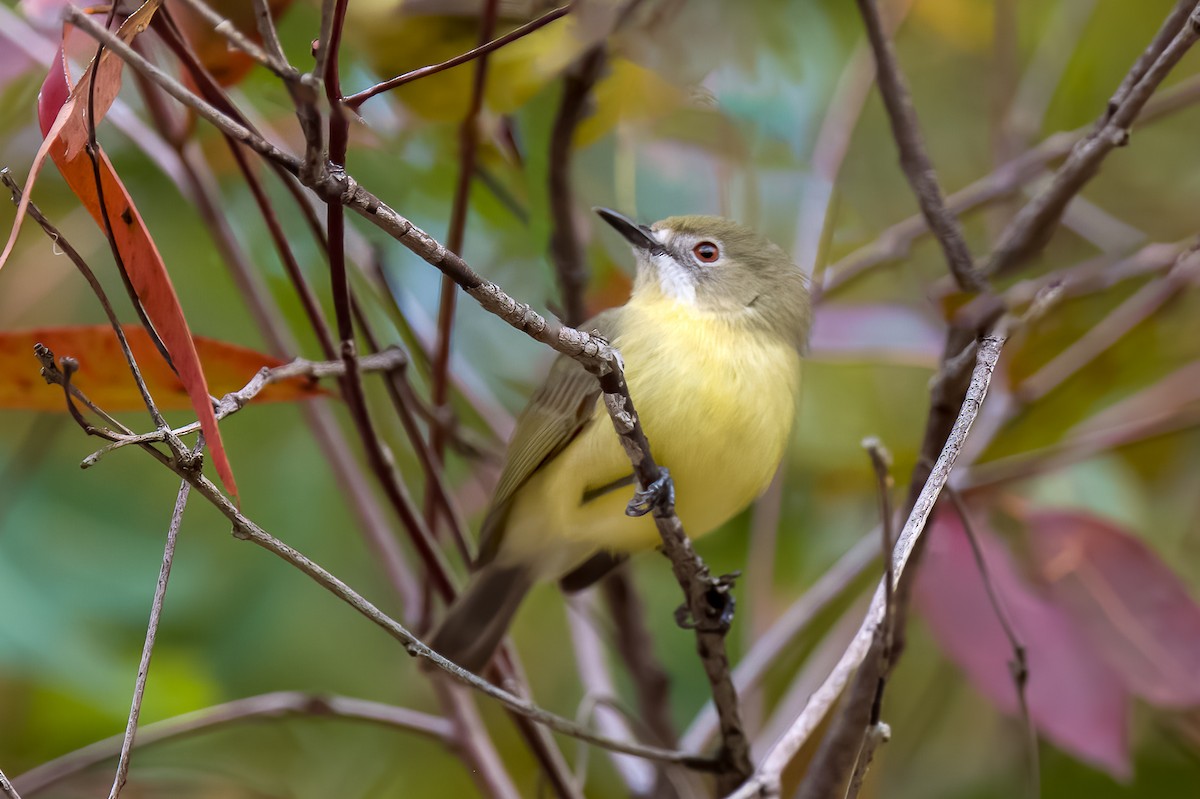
<point>566,246</point>
<point>468,146</point>
<point>356,100</point>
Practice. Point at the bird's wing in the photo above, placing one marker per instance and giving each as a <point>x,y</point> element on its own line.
<point>556,413</point>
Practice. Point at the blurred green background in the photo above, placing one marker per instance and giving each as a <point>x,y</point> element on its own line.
<point>709,108</point>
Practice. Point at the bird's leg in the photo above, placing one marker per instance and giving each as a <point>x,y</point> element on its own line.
<point>658,496</point>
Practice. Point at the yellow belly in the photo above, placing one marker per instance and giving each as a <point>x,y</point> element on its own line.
<point>716,402</point>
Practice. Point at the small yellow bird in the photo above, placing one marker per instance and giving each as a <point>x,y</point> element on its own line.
<point>711,339</point>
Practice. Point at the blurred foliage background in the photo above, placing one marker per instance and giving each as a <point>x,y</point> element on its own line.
<point>707,107</point>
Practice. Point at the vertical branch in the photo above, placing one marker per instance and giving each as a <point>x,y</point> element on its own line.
<point>566,248</point>
<point>468,146</point>
<point>1019,666</point>
<point>160,592</point>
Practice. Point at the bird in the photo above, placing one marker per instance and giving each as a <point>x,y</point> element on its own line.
<point>711,339</point>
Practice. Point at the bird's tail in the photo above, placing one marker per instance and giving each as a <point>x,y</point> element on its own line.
<point>478,618</point>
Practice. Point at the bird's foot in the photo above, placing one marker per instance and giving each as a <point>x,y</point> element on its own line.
<point>658,496</point>
<point>718,616</point>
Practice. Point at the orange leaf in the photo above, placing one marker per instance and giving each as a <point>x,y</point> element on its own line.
<point>104,376</point>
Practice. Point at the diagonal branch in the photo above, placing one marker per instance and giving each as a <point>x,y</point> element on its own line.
<point>1033,225</point>
<point>914,160</point>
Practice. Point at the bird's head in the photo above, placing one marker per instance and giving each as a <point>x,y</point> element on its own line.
<point>719,267</point>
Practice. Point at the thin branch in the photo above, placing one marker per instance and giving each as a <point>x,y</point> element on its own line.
<point>1102,336</point>
<point>845,754</point>
<point>914,160</point>
<point>386,361</point>
<point>1033,226</point>
<point>1019,665</point>
<point>594,674</point>
<point>7,788</point>
<point>160,593</point>
<point>239,41</point>
<point>468,147</point>
<point>276,705</point>
<point>1166,33</point>
<point>635,644</point>
<point>881,464</point>
<point>356,100</point>
<point>878,733</point>
<point>566,247</point>
<point>766,779</point>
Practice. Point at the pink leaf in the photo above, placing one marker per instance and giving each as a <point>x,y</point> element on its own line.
<point>1075,698</point>
<point>1136,610</point>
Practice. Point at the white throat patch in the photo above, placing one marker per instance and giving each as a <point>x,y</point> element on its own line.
<point>674,279</point>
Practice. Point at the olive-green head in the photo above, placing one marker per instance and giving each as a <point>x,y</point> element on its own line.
<point>722,268</point>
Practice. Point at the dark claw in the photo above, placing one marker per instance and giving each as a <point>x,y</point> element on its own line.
<point>683,617</point>
<point>718,616</point>
<point>659,495</point>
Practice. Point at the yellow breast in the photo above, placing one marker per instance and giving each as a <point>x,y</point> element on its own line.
<point>717,403</point>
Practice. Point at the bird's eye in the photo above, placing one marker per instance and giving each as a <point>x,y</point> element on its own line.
<point>706,252</point>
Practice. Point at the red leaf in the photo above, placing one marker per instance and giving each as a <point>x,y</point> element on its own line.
<point>1136,609</point>
<point>1075,698</point>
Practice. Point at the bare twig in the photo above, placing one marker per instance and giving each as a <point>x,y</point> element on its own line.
<point>7,788</point>
<point>280,704</point>
<point>468,146</point>
<point>566,247</point>
<point>355,100</point>
<point>765,781</point>
<point>1139,307</point>
<point>160,592</point>
<point>245,529</point>
<point>1019,665</point>
<point>239,41</point>
<point>1166,33</point>
<point>913,158</point>
<point>639,777</point>
<point>845,753</point>
<point>635,644</point>
<point>881,464</point>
